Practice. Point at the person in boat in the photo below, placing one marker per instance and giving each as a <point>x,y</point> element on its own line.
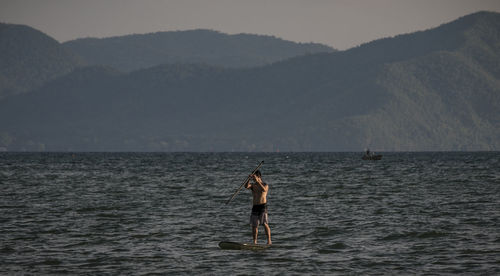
<point>259,209</point>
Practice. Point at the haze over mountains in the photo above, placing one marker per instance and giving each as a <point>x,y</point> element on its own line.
<point>437,89</point>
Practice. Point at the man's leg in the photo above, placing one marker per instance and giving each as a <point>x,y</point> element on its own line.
<point>268,233</point>
<point>255,232</point>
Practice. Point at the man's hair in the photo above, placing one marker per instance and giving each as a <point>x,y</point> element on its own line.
<point>257,173</point>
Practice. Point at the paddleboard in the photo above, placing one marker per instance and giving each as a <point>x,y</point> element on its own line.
<point>242,246</point>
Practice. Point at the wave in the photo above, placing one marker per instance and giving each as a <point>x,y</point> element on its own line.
<point>415,235</point>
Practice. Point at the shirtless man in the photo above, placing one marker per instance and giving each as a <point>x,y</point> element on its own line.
<point>259,209</point>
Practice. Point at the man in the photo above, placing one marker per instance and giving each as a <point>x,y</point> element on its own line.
<point>259,209</point>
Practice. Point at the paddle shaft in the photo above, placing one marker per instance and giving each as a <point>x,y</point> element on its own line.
<point>248,178</point>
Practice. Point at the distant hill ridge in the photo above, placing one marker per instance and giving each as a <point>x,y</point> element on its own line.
<point>29,58</point>
<point>432,90</point>
<point>139,51</point>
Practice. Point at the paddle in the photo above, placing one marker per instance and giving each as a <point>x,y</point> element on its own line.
<point>248,178</point>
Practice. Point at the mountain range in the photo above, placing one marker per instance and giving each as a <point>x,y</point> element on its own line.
<point>433,90</point>
<point>140,51</point>
<point>29,58</point>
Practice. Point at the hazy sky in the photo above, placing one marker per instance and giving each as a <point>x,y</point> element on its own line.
<point>338,23</point>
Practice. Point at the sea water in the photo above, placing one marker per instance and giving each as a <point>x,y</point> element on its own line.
<point>330,213</point>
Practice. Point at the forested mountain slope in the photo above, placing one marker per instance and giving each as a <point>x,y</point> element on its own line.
<point>29,58</point>
<point>139,51</point>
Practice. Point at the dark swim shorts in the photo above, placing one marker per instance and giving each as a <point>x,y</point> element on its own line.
<point>259,215</point>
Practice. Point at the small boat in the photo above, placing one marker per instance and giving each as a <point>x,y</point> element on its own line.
<point>372,157</point>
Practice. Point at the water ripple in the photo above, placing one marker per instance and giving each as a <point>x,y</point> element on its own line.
<point>330,213</point>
